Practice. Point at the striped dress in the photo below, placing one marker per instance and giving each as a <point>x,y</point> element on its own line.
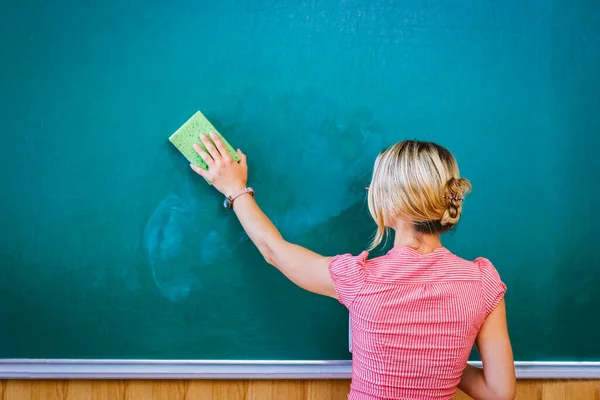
<point>414,319</point>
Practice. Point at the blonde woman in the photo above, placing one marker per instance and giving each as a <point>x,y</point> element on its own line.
<point>415,312</point>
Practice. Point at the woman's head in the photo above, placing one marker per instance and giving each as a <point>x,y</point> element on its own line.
<point>416,182</point>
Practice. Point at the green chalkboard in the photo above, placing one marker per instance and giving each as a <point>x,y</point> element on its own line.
<point>111,247</point>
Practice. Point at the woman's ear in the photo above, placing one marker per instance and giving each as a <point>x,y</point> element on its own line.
<point>389,222</point>
<point>386,222</point>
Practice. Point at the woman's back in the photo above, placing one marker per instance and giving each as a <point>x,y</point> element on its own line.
<point>414,319</point>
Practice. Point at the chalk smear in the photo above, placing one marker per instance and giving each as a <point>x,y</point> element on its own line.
<point>167,243</point>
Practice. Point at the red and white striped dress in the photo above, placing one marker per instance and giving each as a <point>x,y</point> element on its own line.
<point>414,319</point>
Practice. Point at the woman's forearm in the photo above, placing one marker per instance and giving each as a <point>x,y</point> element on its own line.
<point>258,226</point>
<point>303,267</point>
<point>472,382</point>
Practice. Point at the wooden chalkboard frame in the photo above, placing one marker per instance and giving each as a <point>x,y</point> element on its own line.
<point>242,369</point>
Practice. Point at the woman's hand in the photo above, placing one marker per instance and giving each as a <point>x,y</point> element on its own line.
<point>224,173</point>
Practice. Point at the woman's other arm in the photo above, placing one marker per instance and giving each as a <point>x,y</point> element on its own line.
<point>497,380</point>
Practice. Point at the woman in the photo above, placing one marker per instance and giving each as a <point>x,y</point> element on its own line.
<point>415,312</point>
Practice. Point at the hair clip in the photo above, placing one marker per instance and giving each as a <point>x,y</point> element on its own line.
<point>454,198</point>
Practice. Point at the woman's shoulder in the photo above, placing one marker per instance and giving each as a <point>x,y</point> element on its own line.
<point>480,263</point>
<point>480,267</point>
<point>349,258</point>
<point>486,267</point>
<point>492,286</point>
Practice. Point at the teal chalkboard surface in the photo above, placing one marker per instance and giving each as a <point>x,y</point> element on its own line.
<point>111,248</point>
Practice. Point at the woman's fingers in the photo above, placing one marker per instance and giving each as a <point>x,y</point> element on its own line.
<point>243,161</point>
<point>225,174</point>
<point>200,171</point>
<point>221,147</point>
<point>210,147</point>
<point>205,156</point>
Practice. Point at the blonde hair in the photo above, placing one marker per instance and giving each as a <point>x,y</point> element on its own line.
<point>416,182</point>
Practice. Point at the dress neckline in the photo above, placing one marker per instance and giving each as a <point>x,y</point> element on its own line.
<point>404,249</point>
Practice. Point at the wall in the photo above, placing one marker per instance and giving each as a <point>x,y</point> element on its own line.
<point>250,390</point>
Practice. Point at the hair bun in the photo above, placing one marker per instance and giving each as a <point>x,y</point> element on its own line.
<point>454,192</point>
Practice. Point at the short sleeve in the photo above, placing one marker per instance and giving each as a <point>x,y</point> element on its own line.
<point>493,288</point>
<point>348,275</point>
